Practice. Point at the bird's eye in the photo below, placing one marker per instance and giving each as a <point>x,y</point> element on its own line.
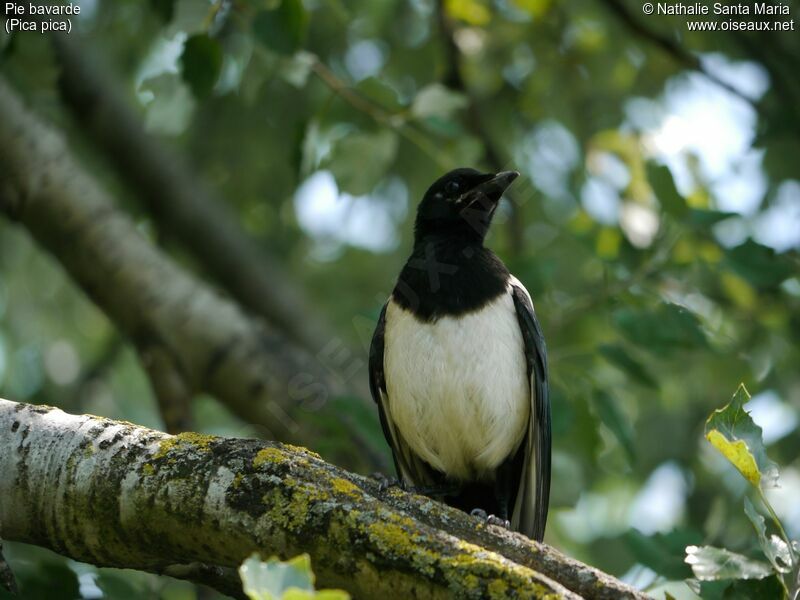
<point>452,187</point>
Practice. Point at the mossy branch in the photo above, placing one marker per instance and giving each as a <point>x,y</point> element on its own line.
<point>114,494</point>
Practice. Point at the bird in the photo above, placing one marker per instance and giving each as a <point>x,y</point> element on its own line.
<point>458,364</point>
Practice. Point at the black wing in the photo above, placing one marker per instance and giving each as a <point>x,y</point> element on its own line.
<point>410,468</point>
<point>533,497</point>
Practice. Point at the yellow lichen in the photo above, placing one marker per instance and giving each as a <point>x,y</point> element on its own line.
<point>237,480</point>
<point>196,440</point>
<point>342,486</point>
<point>471,582</point>
<point>148,469</point>
<point>302,450</point>
<point>268,455</point>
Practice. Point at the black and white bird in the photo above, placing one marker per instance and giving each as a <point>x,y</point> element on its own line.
<point>458,365</point>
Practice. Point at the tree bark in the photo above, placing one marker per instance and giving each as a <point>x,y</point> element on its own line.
<point>207,341</point>
<point>114,494</point>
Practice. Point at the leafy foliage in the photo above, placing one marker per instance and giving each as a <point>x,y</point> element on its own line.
<point>276,580</point>
<point>652,253</point>
<point>732,431</point>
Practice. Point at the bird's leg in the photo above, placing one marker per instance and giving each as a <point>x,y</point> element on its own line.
<point>503,481</point>
<point>436,491</point>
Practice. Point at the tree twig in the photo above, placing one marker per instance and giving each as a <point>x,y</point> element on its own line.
<point>378,113</point>
<point>677,52</point>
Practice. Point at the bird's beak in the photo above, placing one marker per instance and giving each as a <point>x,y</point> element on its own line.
<point>488,193</point>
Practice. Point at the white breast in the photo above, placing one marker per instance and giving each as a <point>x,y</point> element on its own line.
<point>457,388</point>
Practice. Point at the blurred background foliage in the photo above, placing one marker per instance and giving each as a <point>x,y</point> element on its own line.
<point>656,225</point>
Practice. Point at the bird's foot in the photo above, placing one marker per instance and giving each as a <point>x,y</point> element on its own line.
<point>384,482</point>
<point>490,519</point>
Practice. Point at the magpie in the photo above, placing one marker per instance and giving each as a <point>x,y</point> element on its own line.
<point>458,365</point>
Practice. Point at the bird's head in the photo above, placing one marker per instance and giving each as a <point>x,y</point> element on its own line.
<point>461,204</point>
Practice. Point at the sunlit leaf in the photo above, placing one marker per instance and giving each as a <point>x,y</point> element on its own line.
<point>201,62</point>
<point>276,580</point>
<point>608,242</point>
<point>536,8</point>
<point>172,104</point>
<point>738,454</point>
<point>738,290</point>
<point>474,12</point>
<point>282,29</point>
<point>733,432</point>
<point>775,549</point>
<point>437,100</point>
<point>710,564</point>
<point>296,68</point>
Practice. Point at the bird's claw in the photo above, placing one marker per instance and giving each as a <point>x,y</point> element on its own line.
<point>490,519</point>
<point>384,482</point>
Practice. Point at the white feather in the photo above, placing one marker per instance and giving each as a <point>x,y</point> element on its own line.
<point>457,388</point>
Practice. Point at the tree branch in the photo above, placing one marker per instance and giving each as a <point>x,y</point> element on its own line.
<point>210,342</point>
<point>118,495</point>
<point>180,202</point>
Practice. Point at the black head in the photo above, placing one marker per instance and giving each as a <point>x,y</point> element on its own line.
<point>461,204</point>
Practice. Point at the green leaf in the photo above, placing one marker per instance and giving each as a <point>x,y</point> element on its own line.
<point>663,186</point>
<point>435,100</point>
<point>768,588</point>
<point>276,580</point>
<point>360,160</point>
<point>733,432</point>
<point>165,9</point>
<point>775,549</point>
<point>380,93</point>
<point>282,29</point>
<point>711,564</point>
<point>618,357</point>
<point>612,417</point>
<point>662,331</point>
<point>760,265</point>
<point>201,63</point>
<point>663,553</point>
